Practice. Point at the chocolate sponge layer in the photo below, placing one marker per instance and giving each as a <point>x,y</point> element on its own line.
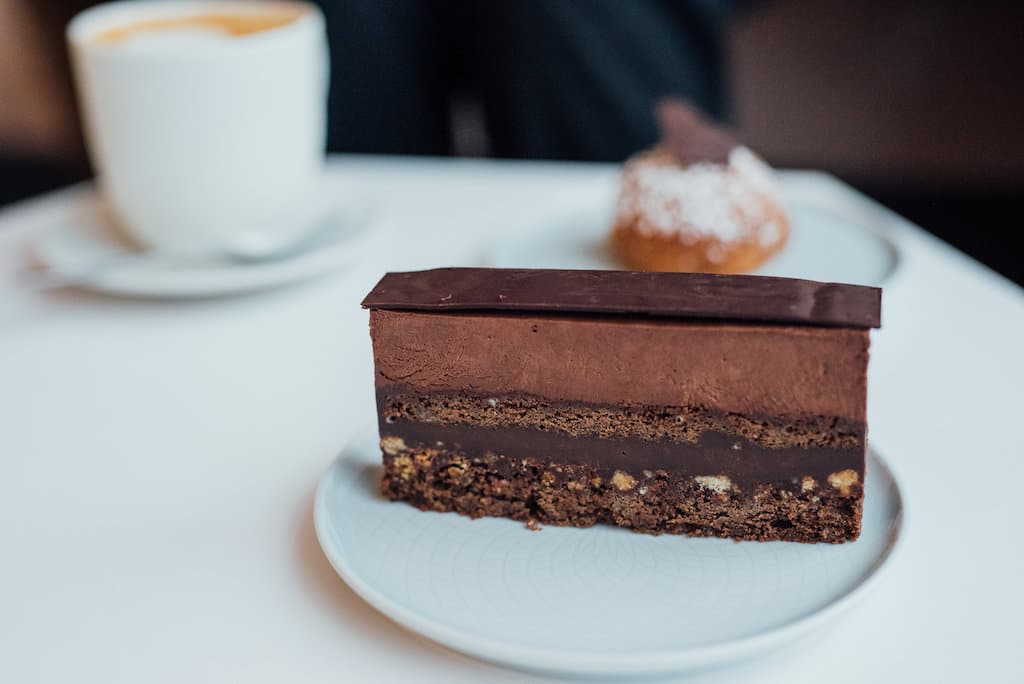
<point>396,404</point>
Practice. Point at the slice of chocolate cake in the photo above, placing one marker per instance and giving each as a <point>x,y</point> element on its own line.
<point>711,405</point>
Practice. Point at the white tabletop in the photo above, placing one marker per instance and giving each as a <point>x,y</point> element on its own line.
<point>158,460</point>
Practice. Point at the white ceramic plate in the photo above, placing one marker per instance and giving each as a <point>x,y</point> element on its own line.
<point>598,601</point>
<point>82,247</point>
<point>827,242</point>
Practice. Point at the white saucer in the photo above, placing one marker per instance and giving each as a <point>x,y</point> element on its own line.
<point>826,243</point>
<point>82,246</point>
<point>598,601</point>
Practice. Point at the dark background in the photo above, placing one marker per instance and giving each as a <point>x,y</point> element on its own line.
<point>920,105</point>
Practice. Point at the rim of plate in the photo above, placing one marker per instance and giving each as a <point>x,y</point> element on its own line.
<point>874,229</point>
<point>213,279</point>
<point>553,660</point>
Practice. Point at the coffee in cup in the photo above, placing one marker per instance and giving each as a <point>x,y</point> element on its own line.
<point>225,24</point>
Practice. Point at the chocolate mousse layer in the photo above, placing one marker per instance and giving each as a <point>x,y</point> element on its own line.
<point>730,367</point>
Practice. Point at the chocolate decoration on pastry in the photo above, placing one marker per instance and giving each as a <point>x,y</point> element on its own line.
<point>690,137</point>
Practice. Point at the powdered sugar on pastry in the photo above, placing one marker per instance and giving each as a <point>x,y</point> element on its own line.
<point>726,202</point>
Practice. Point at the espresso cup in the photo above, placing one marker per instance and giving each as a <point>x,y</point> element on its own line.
<point>206,121</point>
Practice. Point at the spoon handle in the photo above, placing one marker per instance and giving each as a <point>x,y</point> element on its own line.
<point>44,279</point>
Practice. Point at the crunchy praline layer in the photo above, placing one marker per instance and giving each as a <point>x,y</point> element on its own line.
<point>534,490</point>
<point>714,455</point>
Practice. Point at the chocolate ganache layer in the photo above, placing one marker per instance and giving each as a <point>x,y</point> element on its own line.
<point>672,295</point>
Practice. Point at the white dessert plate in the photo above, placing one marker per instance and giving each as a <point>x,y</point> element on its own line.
<point>832,239</point>
<point>82,248</point>
<point>598,601</point>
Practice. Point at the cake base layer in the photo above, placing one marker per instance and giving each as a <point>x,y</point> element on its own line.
<point>535,491</point>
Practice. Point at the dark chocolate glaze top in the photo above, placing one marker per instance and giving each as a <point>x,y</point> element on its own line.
<point>667,295</point>
<point>690,137</point>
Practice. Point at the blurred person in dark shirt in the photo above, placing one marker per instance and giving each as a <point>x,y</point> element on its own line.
<point>542,79</point>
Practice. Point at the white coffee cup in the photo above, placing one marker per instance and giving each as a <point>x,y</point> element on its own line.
<point>202,138</point>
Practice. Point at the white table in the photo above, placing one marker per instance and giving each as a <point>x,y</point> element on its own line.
<point>158,459</point>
